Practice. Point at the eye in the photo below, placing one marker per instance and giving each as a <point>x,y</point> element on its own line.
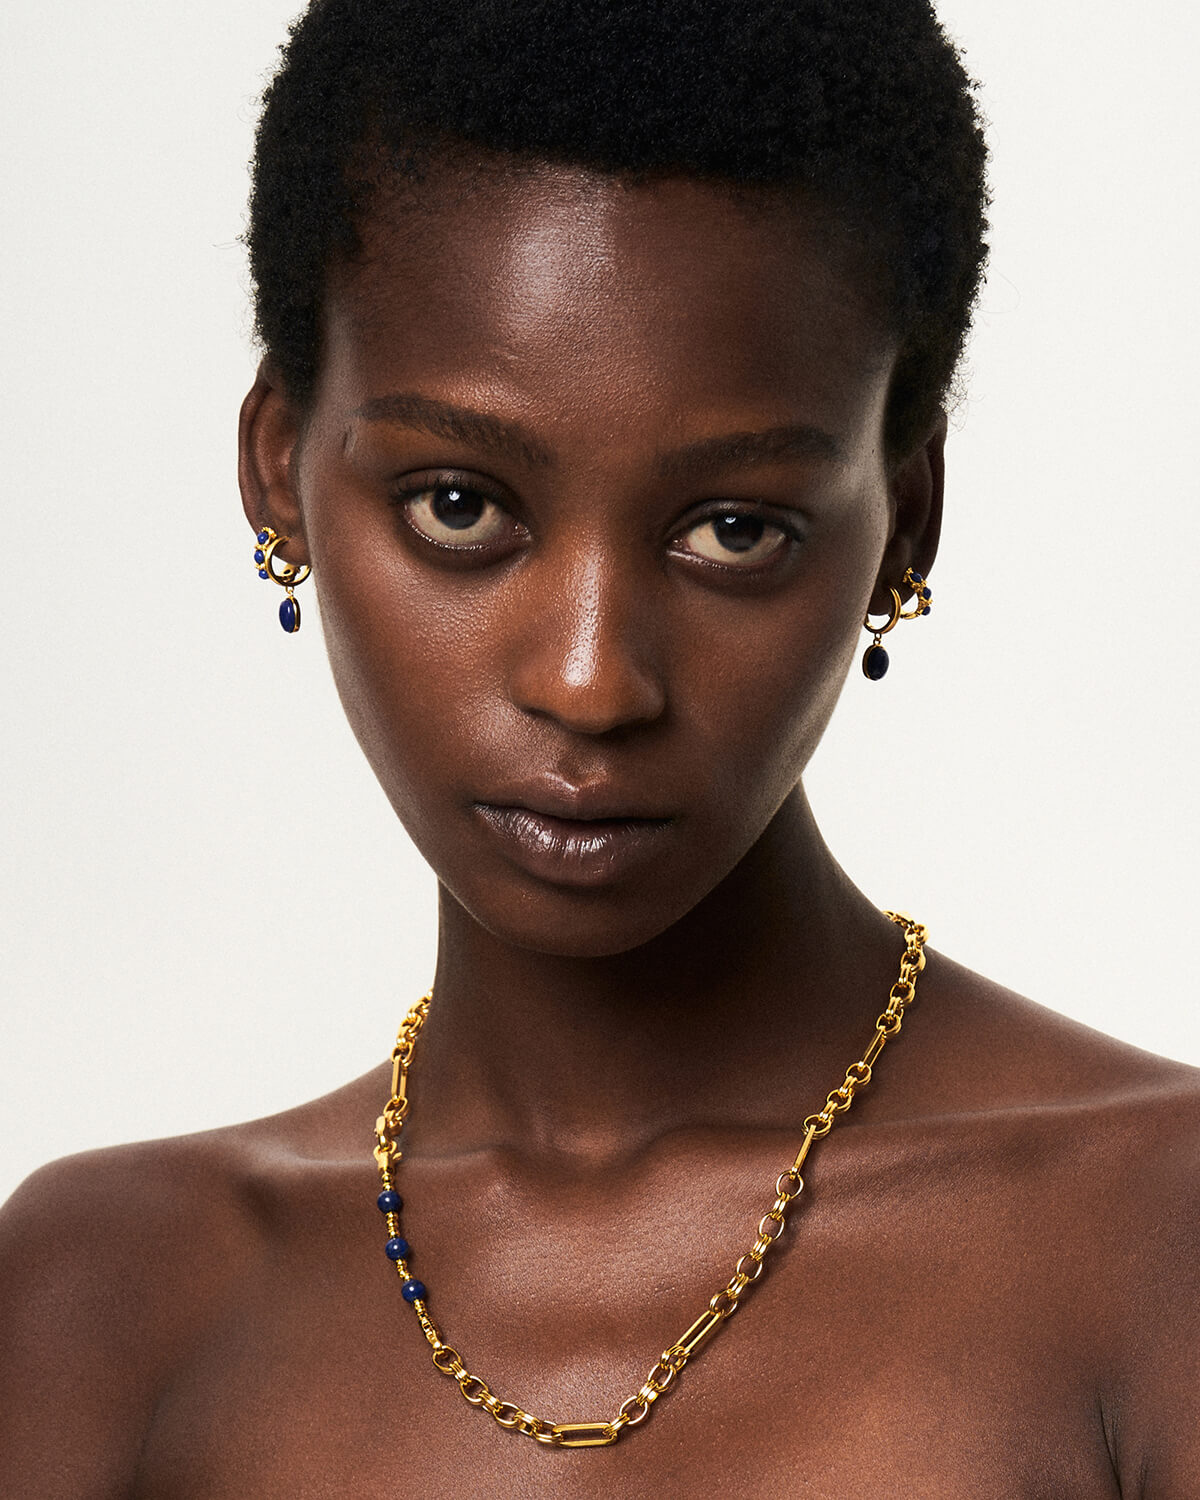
<point>736,539</point>
<point>453,515</point>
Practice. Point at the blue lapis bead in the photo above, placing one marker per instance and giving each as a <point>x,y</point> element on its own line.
<point>913,577</point>
<point>262,573</point>
<point>925,611</point>
<point>289,616</point>
<point>396,1249</point>
<point>260,556</point>
<point>413,1291</point>
<point>875,663</point>
<point>925,594</point>
<point>263,538</point>
<point>389,1202</point>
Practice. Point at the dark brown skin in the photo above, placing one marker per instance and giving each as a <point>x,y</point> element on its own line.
<point>989,1287</point>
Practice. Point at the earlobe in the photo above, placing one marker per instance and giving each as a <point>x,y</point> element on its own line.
<point>268,430</point>
<point>915,492</point>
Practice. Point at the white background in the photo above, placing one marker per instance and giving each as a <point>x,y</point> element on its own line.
<point>208,911</point>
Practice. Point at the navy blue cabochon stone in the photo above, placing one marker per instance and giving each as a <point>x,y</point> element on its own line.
<point>263,538</point>
<point>260,556</point>
<point>413,1291</point>
<point>262,572</point>
<point>397,1249</point>
<point>875,662</point>
<point>289,615</point>
<point>389,1202</point>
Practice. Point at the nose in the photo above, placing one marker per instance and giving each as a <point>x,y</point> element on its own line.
<point>586,654</point>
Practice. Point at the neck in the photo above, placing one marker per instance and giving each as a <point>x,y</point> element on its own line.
<point>755,999</point>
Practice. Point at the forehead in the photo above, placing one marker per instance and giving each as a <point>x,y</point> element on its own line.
<point>609,294</point>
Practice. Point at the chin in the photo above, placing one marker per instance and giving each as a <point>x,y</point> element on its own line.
<point>576,924</point>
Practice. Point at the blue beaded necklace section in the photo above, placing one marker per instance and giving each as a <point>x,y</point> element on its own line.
<point>389,1203</point>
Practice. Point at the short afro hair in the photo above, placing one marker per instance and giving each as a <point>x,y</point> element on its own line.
<point>861,105</point>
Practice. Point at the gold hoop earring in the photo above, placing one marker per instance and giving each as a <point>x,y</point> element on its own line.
<point>287,575</point>
<point>875,660</point>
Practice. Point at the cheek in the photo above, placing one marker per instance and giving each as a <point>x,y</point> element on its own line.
<point>377,652</point>
<point>760,715</point>
<point>764,681</point>
<point>408,670</point>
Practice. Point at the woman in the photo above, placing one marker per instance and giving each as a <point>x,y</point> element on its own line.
<point>603,394</point>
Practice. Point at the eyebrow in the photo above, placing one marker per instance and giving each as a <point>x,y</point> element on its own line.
<point>443,419</point>
<point>480,430</point>
<point>747,449</point>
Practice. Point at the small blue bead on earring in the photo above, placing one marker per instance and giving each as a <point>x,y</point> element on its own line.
<point>875,660</point>
<point>287,575</point>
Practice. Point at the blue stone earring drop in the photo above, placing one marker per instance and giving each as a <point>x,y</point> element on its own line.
<point>875,660</point>
<point>287,575</point>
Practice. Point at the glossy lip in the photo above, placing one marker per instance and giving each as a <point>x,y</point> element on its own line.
<point>576,851</point>
<point>554,796</point>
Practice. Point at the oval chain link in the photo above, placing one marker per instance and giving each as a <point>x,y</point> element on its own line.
<point>723,1303</point>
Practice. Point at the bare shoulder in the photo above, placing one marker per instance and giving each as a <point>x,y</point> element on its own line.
<point>1110,1130</point>
<point>111,1262</point>
<point>996,1050</point>
<point>1094,1147</point>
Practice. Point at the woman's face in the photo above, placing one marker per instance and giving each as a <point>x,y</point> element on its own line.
<point>594,491</point>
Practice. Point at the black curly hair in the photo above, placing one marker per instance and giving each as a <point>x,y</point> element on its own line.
<point>862,106</point>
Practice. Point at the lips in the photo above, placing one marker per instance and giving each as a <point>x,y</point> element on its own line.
<point>553,796</point>
<point>580,848</point>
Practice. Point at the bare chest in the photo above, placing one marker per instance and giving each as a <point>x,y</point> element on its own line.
<point>900,1351</point>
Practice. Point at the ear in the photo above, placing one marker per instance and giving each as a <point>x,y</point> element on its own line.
<point>915,495</point>
<point>268,431</point>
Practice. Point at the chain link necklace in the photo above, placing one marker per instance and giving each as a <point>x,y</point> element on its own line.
<point>723,1303</point>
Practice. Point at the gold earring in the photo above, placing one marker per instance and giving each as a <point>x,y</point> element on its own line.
<point>875,659</point>
<point>287,575</point>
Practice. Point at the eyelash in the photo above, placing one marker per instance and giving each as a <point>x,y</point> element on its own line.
<point>792,529</point>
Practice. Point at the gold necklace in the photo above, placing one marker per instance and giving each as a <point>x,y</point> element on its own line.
<point>722,1304</point>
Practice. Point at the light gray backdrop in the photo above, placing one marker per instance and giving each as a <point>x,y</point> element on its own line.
<point>208,911</point>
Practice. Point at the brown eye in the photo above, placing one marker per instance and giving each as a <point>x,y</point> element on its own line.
<point>736,539</point>
<point>454,516</point>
